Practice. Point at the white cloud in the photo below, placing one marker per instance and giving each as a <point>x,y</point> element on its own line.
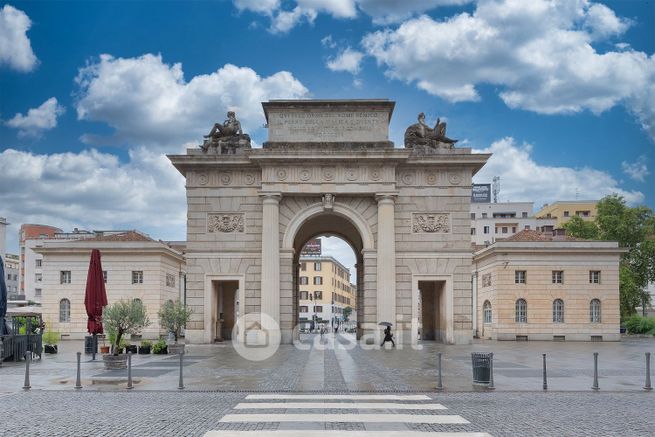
<point>523,179</point>
<point>347,60</point>
<point>637,170</point>
<point>15,47</point>
<point>538,53</point>
<point>328,42</point>
<point>284,21</point>
<point>394,11</point>
<point>266,7</point>
<point>38,119</point>
<point>148,102</point>
<point>94,190</point>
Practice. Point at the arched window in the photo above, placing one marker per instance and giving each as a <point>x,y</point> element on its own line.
<point>594,311</point>
<point>64,310</point>
<point>558,311</point>
<point>521,311</point>
<point>486,309</point>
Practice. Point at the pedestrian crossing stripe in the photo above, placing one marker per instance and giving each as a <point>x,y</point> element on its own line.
<point>361,418</point>
<point>340,433</point>
<point>279,396</point>
<point>338,406</point>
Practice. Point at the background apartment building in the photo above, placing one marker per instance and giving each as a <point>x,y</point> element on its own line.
<point>11,276</point>
<point>562,211</point>
<point>3,236</point>
<point>492,221</point>
<point>325,292</point>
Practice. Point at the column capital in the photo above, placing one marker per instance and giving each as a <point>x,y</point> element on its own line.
<point>386,197</point>
<point>270,197</point>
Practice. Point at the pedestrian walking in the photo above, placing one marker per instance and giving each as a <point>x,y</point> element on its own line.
<point>388,336</point>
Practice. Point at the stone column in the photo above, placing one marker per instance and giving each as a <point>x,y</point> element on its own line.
<point>386,259</point>
<point>270,288</point>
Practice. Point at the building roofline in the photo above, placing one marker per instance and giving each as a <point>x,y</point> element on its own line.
<point>324,258</point>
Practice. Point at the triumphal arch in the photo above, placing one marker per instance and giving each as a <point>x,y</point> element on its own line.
<point>328,167</point>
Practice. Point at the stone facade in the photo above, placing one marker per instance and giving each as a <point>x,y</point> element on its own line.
<point>552,270</point>
<point>404,211</point>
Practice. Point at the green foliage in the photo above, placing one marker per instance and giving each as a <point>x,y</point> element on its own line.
<point>577,227</point>
<point>173,316</point>
<point>146,343</point>
<point>124,317</point>
<point>51,337</point>
<point>640,325</point>
<point>347,311</point>
<point>159,346</point>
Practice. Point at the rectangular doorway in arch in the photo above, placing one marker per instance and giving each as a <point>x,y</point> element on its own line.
<point>432,310</point>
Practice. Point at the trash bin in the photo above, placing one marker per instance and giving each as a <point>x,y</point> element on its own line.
<point>481,367</point>
<point>88,345</point>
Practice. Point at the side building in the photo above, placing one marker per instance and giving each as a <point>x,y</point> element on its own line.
<point>134,267</point>
<point>325,293</point>
<point>491,221</point>
<point>540,286</point>
<point>11,276</point>
<point>562,211</point>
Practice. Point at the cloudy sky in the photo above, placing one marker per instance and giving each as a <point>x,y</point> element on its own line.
<point>93,94</point>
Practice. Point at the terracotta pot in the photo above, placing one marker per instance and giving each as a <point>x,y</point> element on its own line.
<point>104,349</point>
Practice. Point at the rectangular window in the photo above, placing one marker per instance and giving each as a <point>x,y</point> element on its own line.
<point>38,277</point>
<point>520,276</point>
<point>513,229</point>
<point>318,280</point>
<point>303,295</point>
<point>303,266</point>
<point>137,277</point>
<point>304,280</point>
<point>317,266</point>
<point>472,231</point>
<point>524,214</point>
<point>39,262</point>
<point>318,309</point>
<point>37,292</point>
<point>484,215</point>
<point>504,229</point>
<point>303,309</point>
<point>170,280</point>
<point>594,277</point>
<point>318,295</point>
<point>566,213</point>
<point>472,216</point>
<point>558,277</point>
<point>104,276</point>
<point>486,229</point>
<point>527,227</point>
<point>65,277</point>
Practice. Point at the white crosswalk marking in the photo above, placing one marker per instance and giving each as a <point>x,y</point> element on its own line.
<point>324,397</point>
<point>339,433</point>
<point>372,418</point>
<point>338,406</point>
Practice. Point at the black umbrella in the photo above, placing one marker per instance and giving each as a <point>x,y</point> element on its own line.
<point>385,324</point>
<point>3,298</point>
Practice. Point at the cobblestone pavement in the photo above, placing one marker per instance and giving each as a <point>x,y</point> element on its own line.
<point>225,414</point>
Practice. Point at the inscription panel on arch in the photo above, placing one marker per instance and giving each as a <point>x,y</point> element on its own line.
<point>328,126</point>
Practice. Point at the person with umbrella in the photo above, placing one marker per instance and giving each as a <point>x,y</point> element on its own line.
<point>388,336</point>
<point>95,298</point>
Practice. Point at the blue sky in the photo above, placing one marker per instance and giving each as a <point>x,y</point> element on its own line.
<point>93,94</point>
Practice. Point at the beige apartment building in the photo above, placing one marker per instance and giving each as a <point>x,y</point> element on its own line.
<point>134,265</point>
<point>562,211</point>
<point>325,292</point>
<point>536,286</point>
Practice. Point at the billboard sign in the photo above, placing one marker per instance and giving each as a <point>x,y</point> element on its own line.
<point>312,248</point>
<point>481,193</point>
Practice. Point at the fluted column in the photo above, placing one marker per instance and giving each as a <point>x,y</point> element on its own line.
<point>270,287</point>
<point>386,259</point>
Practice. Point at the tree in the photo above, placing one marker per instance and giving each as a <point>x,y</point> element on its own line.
<point>124,317</point>
<point>347,311</point>
<point>173,316</point>
<point>580,228</point>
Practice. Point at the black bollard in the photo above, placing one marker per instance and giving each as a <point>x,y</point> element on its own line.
<point>439,381</point>
<point>491,372</point>
<point>181,384</point>
<point>78,381</point>
<point>94,347</point>
<point>648,386</point>
<point>595,386</point>
<point>129,371</point>
<point>545,386</point>
<point>28,357</point>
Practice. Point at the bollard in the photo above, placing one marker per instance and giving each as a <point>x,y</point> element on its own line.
<point>545,386</point>
<point>491,373</point>
<point>595,386</point>
<point>648,386</point>
<point>181,384</point>
<point>78,381</point>
<point>129,370</point>
<point>439,381</point>
<point>28,357</point>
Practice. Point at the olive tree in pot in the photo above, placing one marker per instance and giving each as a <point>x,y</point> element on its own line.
<point>125,317</point>
<point>172,317</point>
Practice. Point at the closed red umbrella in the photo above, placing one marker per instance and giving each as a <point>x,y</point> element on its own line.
<point>95,297</point>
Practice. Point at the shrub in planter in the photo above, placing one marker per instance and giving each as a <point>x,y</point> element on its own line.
<point>50,339</point>
<point>160,347</point>
<point>145,347</point>
<point>123,318</point>
<point>637,324</point>
<point>172,317</point>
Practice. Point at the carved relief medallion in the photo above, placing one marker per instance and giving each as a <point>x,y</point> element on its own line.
<point>225,223</point>
<point>430,223</point>
<point>225,178</point>
<point>454,178</point>
<point>203,179</point>
<point>305,174</point>
<point>328,173</point>
<point>407,178</point>
<point>375,174</point>
<point>281,174</point>
<point>249,178</point>
<point>352,174</point>
<point>431,178</point>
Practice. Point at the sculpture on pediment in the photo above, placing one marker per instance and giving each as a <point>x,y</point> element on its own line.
<point>420,134</point>
<point>226,138</point>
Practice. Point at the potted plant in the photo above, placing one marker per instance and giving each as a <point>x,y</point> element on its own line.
<point>50,339</point>
<point>160,347</point>
<point>104,349</point>
<point>144,348</point>
<point>123,318</point>
<point>129,347</point>
<point>172,317</point>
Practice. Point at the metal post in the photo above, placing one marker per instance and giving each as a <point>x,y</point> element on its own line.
<point>648,386</point>
<point>94,347</point>
<point>28,357</point>
<point>491,372</point>
<point>129,370</point>
<point>181,384</point>
<point>78,381</point>
<point>439,381</point>
<point>595,386</point>
<point>545,375</point>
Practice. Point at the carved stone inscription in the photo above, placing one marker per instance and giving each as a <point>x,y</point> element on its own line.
<point>328,126</point>
<point>430,223</point>
<point>225,223</point>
